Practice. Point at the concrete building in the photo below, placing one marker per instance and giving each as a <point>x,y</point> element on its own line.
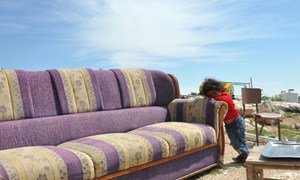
<point>290,96</point>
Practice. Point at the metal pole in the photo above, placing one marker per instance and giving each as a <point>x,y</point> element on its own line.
<point>251,84</point>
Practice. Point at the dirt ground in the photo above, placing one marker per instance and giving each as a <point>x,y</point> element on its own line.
<point>234,171</point>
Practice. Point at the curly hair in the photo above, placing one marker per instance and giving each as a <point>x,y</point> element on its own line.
<point>211,84</point>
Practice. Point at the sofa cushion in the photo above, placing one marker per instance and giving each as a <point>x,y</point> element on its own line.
<point>165,89</point>
<point>47,162</point>
<point>78,90</point>
<point>44,97</point>
<point>109,88</point>
<point>180,136</point>
<point>58,129</point>
<point>136,86</point>
<point>118,151</point>
<point>16,101</point>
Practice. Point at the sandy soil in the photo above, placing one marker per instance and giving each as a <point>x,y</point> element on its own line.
<point>233,171</point>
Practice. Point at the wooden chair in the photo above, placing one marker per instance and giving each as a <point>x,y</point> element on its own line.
<point>251,96</point>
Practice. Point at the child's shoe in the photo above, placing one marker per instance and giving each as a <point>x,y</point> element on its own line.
<point>240,158</point>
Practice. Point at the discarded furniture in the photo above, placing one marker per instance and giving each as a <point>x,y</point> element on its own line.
<point>256,164</point>
<point>251,96</point>
<point>262,118</point>
<point>104,124</point>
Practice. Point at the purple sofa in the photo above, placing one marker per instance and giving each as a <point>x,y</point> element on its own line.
<point>105,124</point>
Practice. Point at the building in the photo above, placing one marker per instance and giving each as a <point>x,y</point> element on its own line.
<point>290,96</point>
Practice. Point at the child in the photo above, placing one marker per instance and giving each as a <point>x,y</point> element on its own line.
<point>234,123</point>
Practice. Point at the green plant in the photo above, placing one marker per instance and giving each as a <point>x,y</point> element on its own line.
<point>276,98</point>
<point>264,98</point>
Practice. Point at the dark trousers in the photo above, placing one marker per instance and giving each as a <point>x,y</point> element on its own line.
<point>236,133</point>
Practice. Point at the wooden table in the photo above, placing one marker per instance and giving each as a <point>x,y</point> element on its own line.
<point>255,164</point>
<point>262,117</point>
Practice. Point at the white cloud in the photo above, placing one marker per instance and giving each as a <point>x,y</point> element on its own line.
<point>158,32</point>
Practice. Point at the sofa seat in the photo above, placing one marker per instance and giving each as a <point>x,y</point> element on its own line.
<point>180,136</point>
<point>118,151</point>
<point>47,162</point>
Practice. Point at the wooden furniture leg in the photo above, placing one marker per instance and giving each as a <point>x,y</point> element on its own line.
<point>256,131</point>
<point>251,174</point>
<point>279,132</point>
<point>259,174</point>
<point>262,126</point>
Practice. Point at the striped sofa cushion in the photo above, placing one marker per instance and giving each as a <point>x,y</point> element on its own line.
<point>16,101</point>
<point>117,151</point>
<point>180,136</point>
<point>137,87</point>
<point>47,162</point>
<point>77,89</point>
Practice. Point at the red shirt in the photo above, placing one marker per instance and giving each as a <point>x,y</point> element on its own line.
<point>232,112</point>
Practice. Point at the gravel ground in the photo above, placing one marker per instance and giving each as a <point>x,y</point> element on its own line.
<point>234,171</point>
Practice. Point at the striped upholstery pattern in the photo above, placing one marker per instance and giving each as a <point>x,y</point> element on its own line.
<point>137,87</point>
<point>180,136</point>
<point>16,101</point>
<point>47,162</point>
<point>118,151</point>
<point>77,89</point>
<point>197,109</point>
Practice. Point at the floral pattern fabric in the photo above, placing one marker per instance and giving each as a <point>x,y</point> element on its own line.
<point>11,104</point>
<point>117,151</point>
<point>47,162</point>
<point>180,136</point>
<point>197,109</point>
<point>76,90</point>
<point>137,87</point>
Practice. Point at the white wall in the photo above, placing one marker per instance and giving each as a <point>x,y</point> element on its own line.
<point>290,97</point>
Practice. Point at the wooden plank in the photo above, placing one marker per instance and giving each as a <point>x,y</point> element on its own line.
<point>154,163</point>
<point>275,166</point>
<point>256,158</point>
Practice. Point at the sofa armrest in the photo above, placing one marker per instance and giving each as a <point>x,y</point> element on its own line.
<point>198,109</point>
<point>201,110</point>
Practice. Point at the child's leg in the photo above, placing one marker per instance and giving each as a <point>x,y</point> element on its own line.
<point>241,133</point>
<point>236,134</point>
<point>232,135</point>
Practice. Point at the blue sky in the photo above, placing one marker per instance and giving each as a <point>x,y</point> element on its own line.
<point>231,40</point>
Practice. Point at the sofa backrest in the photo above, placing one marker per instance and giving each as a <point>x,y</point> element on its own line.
<point>46,119</point>
<point>137,87</point>
<point>77,89</point>
<point>43,94</point>
<point>26,94</point>
<point>15,96</point>
<point>164,86</point>
<point>109,88</point>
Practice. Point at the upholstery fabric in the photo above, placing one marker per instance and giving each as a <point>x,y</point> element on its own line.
<point>136,86</point>
<point>77,89</point>
<point>59,129</point>
<point>176,85</point>
<point>109,88</point>
<point>177,168</point>
<point>44,97</point>
<point>196,110</point>
<point>16,101</point>
<point>118,151</point>
<point>180,136</point>
<point>45,163</point>
<point>165,89</point>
